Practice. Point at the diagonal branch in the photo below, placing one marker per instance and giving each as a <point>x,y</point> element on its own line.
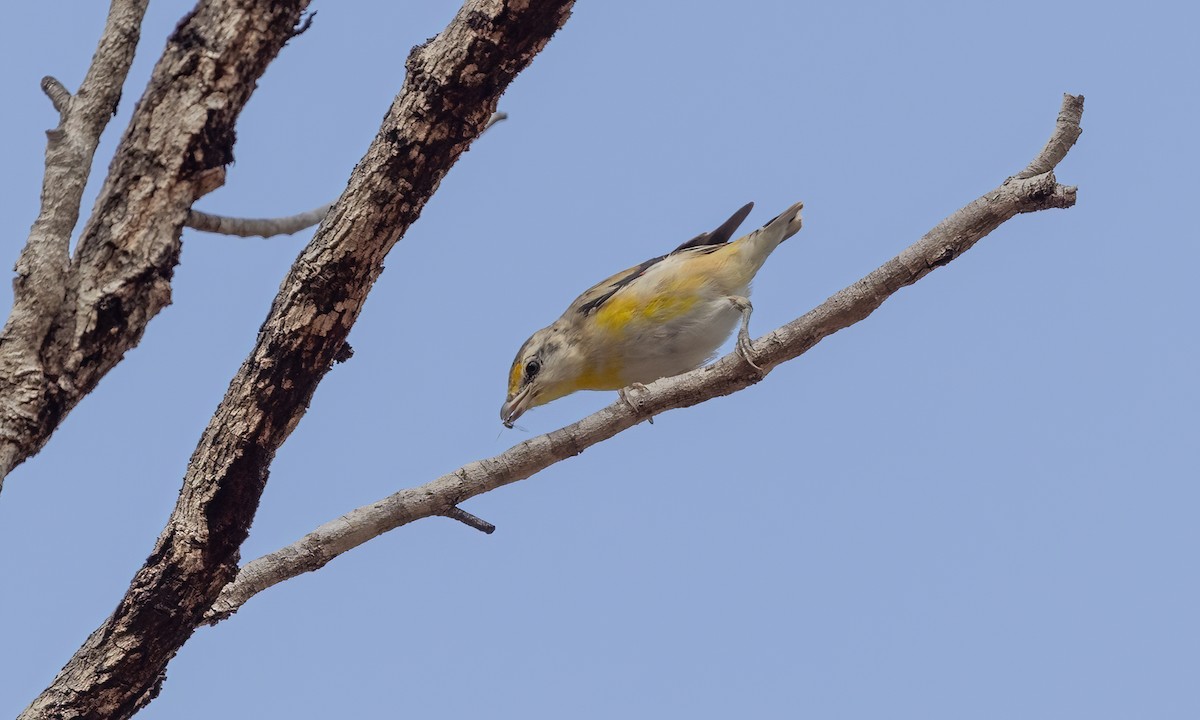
<point>42,268</point>
<point>270,227</point>
<point>949,239</point>
<point>453,84</point>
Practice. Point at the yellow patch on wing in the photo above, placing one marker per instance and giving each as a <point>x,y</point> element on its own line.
<point>620,313</point>
<point>634,309</point>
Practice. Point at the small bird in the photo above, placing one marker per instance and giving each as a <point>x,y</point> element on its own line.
<point>663,317</point>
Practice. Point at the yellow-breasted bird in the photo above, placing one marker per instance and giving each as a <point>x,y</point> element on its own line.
<point>664,317</point>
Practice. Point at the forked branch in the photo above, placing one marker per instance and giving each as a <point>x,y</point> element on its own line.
<point>43,268</point>
<point>74,318</point>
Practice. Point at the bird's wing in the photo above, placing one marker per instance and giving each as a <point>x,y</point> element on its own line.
<point>598,294</point>
<point>721,234</point>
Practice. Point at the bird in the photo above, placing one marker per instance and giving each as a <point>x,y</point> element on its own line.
<point>665,316</point>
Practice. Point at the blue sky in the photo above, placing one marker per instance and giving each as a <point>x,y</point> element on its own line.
<point>980,502</point>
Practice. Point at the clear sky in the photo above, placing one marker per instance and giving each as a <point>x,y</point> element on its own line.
<point>979,503</point>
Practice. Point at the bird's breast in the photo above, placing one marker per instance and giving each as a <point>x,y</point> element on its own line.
<point>640,342</point>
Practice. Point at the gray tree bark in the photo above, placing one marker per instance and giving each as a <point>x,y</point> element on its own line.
<point>74,317</point>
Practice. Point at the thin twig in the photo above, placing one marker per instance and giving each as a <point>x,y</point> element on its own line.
<point>271,227</point>
<point>946,241</point>
<point>252,227</point>
<point>59,96</point>
<point>1066,131</point>
<point>456,513</point>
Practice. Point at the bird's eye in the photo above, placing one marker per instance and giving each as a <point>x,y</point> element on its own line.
<point>531,368</point>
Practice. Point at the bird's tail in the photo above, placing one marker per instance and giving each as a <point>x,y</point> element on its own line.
<point>763,241</point>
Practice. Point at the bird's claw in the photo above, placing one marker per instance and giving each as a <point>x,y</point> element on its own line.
<point>744,345</point>
<point>627,397</point>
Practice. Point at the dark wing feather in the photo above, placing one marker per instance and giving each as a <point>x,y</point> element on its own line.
<point>591,300</point>
<point>602,291</point>
<point>720,235</point>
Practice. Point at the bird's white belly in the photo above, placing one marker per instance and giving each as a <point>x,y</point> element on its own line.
<point>679,344</point>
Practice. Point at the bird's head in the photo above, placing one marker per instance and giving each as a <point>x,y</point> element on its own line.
<point>547,367</point>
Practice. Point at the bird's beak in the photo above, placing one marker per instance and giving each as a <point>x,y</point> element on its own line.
<point>515,406</point>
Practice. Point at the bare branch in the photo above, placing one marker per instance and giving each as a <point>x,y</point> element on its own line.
<point>456,513</point>
<point>949,239</point>
<point>453,84</point>
<point>42,268</point>
<point>270,227</point>
<point>1066,131</point>
<point>255,227</point>
<point>59,96</point>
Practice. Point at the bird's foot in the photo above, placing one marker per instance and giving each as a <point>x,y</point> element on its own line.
<point>745,346</point>
<point>628,395</point>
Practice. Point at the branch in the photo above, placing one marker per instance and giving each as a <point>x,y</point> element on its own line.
<point>453,84</point>
<point>252,227</point>
<point>59,96</point>
<point>1066,132</point>
<point>270,227</point>
<point>949,239</point>
<point>42,268</point>
<point>456,513</point>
